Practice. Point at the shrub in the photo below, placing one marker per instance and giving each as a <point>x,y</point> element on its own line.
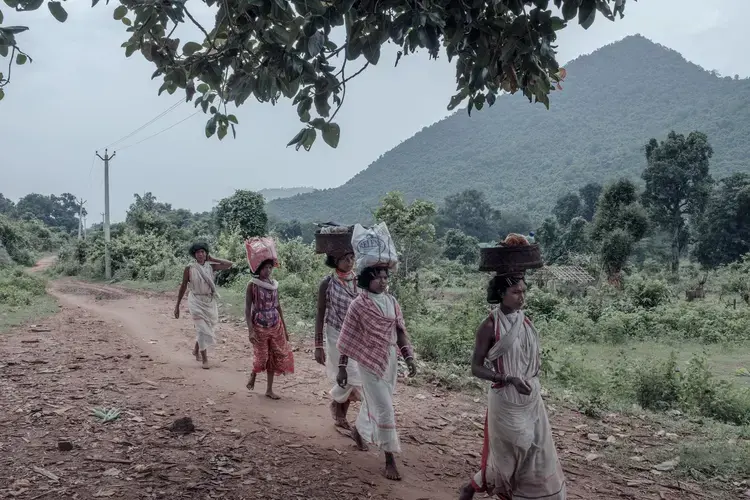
<point>18,288</point>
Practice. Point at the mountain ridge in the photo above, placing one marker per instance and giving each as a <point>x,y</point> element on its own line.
<point>613,101</point>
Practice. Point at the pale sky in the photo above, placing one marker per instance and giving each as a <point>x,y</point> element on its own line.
<point>81,94</point>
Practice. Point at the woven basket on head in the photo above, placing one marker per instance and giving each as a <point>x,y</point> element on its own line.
<point>335,244</point>
<point>511,259</point>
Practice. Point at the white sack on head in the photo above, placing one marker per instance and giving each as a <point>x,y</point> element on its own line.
<point>373,247</point>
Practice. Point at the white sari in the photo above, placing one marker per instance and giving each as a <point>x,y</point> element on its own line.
<point>202,304</point>
<point>376,422</point>
<point>519,459</point>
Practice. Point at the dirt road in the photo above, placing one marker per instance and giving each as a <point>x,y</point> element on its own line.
<point>109,347</point>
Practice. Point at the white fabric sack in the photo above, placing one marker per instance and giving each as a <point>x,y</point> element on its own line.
<point>373,247</point>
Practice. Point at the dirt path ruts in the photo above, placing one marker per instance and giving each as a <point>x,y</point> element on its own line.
<point>440,431</point>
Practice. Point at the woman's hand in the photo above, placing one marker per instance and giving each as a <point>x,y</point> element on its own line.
<point>252,336</point>
<point>320,355</point>
<point>177,311</point>
<point>412,367</point>
<point>522,386</point>
<point>342,378</point>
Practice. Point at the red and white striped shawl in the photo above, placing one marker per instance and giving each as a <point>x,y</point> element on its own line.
<point>367,335</point>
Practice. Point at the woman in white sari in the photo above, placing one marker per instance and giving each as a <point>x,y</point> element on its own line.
<point>199,278</point>
<point>519,460</point>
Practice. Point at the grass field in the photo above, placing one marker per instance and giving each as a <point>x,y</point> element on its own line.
<point>39,308</point>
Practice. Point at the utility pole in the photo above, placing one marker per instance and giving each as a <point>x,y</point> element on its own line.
<point>107,256</point>
<point>80,218</point>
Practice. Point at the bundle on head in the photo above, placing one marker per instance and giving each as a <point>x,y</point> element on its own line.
<point>512,255</point>
<point>334,241</point>
<point>200,245</point>
<point>499,284</point>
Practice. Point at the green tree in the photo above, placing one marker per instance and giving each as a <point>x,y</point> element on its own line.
<point>678,184</point>
<point>560,242</point>
<point>567,208</point>
<point>411,226</point>
<point>54,211</point>
<point>7,206</point>
<point>589,197</point>
<point>244,211</point>
<point>289,230</point>
<point>723,234</point>
<point>461,247</point>
<point>263,50</point>
<point>619,223</point>
<point>469,212</point>
<point>147,215</point>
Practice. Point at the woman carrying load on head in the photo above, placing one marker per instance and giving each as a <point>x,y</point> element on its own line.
<point>199,278</point>
<point>519,460</point>
<point>267,331</point>
<point>373,334</point>
<point>335,293</point>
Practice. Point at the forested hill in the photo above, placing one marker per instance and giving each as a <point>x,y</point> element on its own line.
<point>523,156</point>
<point>271,194</point>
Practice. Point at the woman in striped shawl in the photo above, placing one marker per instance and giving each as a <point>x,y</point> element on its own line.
<point>373,334</point>
<point>335,294</point>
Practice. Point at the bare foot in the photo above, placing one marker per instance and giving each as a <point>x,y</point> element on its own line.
<point>339,415</point>
<point>361,445</point>
<point>251,383</point>
<point>272,395</point>
<point>466,492</point>
<point>391,471</point>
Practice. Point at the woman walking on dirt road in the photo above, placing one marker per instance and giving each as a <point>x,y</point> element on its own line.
<point>199,278</point>
<point>335,294</point>
<point>268,333</point>
<point>370,334</point>
<point>519,460</point>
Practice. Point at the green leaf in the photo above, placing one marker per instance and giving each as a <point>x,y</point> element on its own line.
<point>3,51</point>
<point>13,30</point>
<point>126,21</point>
<point>587,13</point>
<point>94,2</point>
<point>331,134</point>
<point>130,49</point>
<point>1,16</point>
<point>203,88</point>
<point>21,59</point>
<point>570,9</point>
<point>307,141</point>
<point>557,23</point>
<point>297,138</point>
<point>191,48</point>
<point>322,106</point>
<point>222,131</point>
<point>318,123</point>
<point>120,12</point>
<point>2,94</point>
<point>456,100</point>
<point>232,119</point>
<point>371,51</point>
<point>211,126</point>
<point>58,12</point>
<point>315,43</point>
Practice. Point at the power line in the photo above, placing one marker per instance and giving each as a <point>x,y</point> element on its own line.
<point>160,132</point>
<point>160,115</point>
